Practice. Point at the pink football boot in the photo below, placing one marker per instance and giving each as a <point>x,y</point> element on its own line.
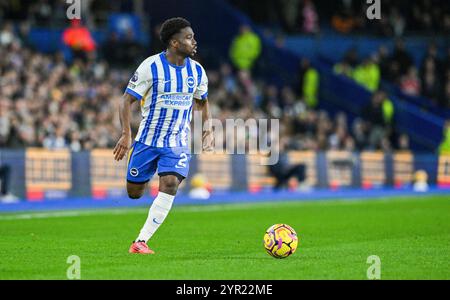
<point>141,248</point>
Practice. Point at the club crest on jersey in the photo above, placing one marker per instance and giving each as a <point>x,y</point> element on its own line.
<point>134,172</point>
<point>135,77</point>
<point>190,81</point>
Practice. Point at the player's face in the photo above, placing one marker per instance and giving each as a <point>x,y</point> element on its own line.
<point>187,45</point>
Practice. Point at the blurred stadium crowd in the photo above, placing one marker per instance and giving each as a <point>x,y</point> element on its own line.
<point>430,79</point>
<point>47,101</point>
<point>398,17</point>
<point>52,13</point>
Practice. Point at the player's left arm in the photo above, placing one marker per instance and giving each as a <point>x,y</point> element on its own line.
<point>202,106</point>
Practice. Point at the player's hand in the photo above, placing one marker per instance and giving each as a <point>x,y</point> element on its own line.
<point>208,141</point>
<point>122,147</point>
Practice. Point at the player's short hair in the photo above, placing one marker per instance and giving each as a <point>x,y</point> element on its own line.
<point>171,27</point>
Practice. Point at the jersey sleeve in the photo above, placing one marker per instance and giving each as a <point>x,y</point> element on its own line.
<point>141,81</point>
<point>201,92</point>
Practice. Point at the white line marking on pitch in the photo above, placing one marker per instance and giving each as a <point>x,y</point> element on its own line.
<point>182,209</point>
<point>63,214</point>
<point>87,212</point>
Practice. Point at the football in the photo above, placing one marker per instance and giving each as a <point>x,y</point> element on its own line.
<point>280,240</point>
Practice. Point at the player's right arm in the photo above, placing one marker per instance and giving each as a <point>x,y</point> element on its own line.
<point>124,143</point>
<point>138,86</point>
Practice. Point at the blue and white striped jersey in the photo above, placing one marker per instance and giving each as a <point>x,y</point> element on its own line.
<point>166,93</point>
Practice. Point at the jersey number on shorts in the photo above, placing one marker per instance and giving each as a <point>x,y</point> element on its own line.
<point>182,162</point>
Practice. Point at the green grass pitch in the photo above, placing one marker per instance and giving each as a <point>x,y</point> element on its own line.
<point>410,235</point>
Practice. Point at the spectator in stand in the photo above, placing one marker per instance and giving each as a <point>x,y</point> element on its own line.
<point>133,49</point>
<point>444,147</point>
<point>229,80</point>
<point>447,62</point>
<point>309,83</point>
<point>368,74</point>
<point>410,83</point>
<point>310,17</point>
<point>434,76</point>
<point>271,102</point>
<point>403,143</point>
<point>384,63</point>
<point>7,35</point>
<point>297,107</point>
<point>338,138</point>
<point>432,55</point>
<point>5,195</point>
<point>401,60</point>
<point>245,49</point>
<point>348,64</point>
<point>75,141</point>
<point>42,12</point>
<point>378,116</point>
<point>430,83</point>
<point>79,40</point>
<point>343,68</point>
<point>113,42</point>
<point>344,21</point>
<point>57,140</point>
<point>445,102</point>
<point>397,22</point>
<point>359,131</point>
